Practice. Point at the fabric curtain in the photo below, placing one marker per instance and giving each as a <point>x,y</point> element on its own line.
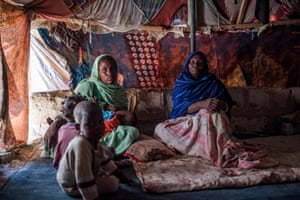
<point>14,31</point>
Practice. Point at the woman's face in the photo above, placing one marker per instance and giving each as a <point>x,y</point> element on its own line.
<point>107,72</point>
<point>197,67</point>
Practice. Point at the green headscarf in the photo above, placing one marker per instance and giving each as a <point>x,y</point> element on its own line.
<point>106,94</point>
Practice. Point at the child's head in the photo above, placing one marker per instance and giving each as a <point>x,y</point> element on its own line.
<point>88,116</point>
<point>69,104</point>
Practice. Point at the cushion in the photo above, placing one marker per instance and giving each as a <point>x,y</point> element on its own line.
<point>289,124</point>
<point>148,150</point>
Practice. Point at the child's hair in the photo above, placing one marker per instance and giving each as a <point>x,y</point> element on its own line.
<point>85,108</point>
<point>69,103</point>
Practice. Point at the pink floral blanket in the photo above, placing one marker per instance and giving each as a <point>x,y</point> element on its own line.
<point>187,173</point>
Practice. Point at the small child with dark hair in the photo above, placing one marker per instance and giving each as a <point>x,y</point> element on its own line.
<point>85,169</point>
<point>66,115</point>
<point>68,130</point>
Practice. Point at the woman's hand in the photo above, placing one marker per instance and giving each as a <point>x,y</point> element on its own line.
<point>215,105</point>
<point>222,105</point>
<point>211,104</point>
<point>126,117</point>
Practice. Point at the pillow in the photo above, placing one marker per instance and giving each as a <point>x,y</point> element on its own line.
<point>148,150</point>
<point>289,124</point>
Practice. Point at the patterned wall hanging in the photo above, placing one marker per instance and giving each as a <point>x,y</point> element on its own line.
<point>144,56</point>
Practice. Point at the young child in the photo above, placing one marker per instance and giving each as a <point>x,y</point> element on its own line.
<point>51,134</point>
<point>66,115</point>
<point>85,169</point>
<point>68,130</point>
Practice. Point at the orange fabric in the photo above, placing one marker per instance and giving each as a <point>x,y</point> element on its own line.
<point>15,40</point>
<point>50,10</point>
<point>111,124</point>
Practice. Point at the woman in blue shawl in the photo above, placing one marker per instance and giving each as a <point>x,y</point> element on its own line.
<point>196,88</point>
<point>199,123</point>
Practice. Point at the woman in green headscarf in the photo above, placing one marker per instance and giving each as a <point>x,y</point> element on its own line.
<point>102,87</point>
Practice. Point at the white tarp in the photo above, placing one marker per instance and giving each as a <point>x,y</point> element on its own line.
<point>47,69</point>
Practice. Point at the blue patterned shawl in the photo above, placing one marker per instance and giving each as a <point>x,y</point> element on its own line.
<point>187,90</point>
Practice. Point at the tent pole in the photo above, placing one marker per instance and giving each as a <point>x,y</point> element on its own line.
<point>192,25</point>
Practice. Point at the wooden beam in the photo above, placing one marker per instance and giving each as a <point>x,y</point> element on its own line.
<point>247,26</point>
<point>153,28</point>
<point>285,22</point>
<point>242,10</point>
<point>187,29</point>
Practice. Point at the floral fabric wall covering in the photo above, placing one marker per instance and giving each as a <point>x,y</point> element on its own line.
<point>144,56</point>
<point>237,58</point>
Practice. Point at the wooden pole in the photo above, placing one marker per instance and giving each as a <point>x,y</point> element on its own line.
<point>192,25</point>
<point>242,12</point>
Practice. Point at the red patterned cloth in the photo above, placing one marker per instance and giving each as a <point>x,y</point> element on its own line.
<point>187,173</point>
<point>144,55</point>
<point>111,124</point>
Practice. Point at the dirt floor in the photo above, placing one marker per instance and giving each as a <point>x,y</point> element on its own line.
<point>17,159</point>
<point>31,177</point>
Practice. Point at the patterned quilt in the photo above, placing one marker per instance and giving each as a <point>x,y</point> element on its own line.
<point>187,173</point>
